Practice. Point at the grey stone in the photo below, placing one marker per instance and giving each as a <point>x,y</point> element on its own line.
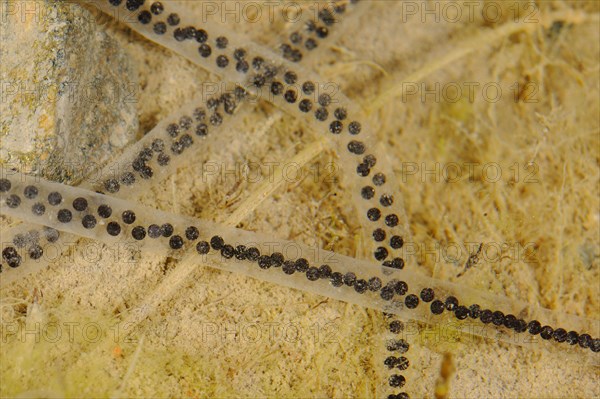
<point>67,91</point>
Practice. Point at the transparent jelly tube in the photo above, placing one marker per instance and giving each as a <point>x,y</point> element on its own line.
<point>318,103</point>
<point>116,221</point>
<point>162,154</point>
<point>26,238</point>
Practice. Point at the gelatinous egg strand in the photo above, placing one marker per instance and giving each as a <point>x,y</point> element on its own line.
<point>111,220</point>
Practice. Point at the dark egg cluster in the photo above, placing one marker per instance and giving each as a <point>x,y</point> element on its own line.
<point>176,138</point>
<point>308,39</point>
<point>396,361</point>
<point>300,41</point>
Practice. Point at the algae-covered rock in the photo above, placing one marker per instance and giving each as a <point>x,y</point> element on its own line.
<point>68,92</point>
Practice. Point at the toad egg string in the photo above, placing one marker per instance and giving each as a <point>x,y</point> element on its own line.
<point>304,95</point>
<point>457,313</point>
<point>112,220</point>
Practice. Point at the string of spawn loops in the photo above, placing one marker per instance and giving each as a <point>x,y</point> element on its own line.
<point>159,153</point>
<point>112,220</point>
<point>149,160</point>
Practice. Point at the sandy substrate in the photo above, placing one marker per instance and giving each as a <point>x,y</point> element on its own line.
<point>223,335</point>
